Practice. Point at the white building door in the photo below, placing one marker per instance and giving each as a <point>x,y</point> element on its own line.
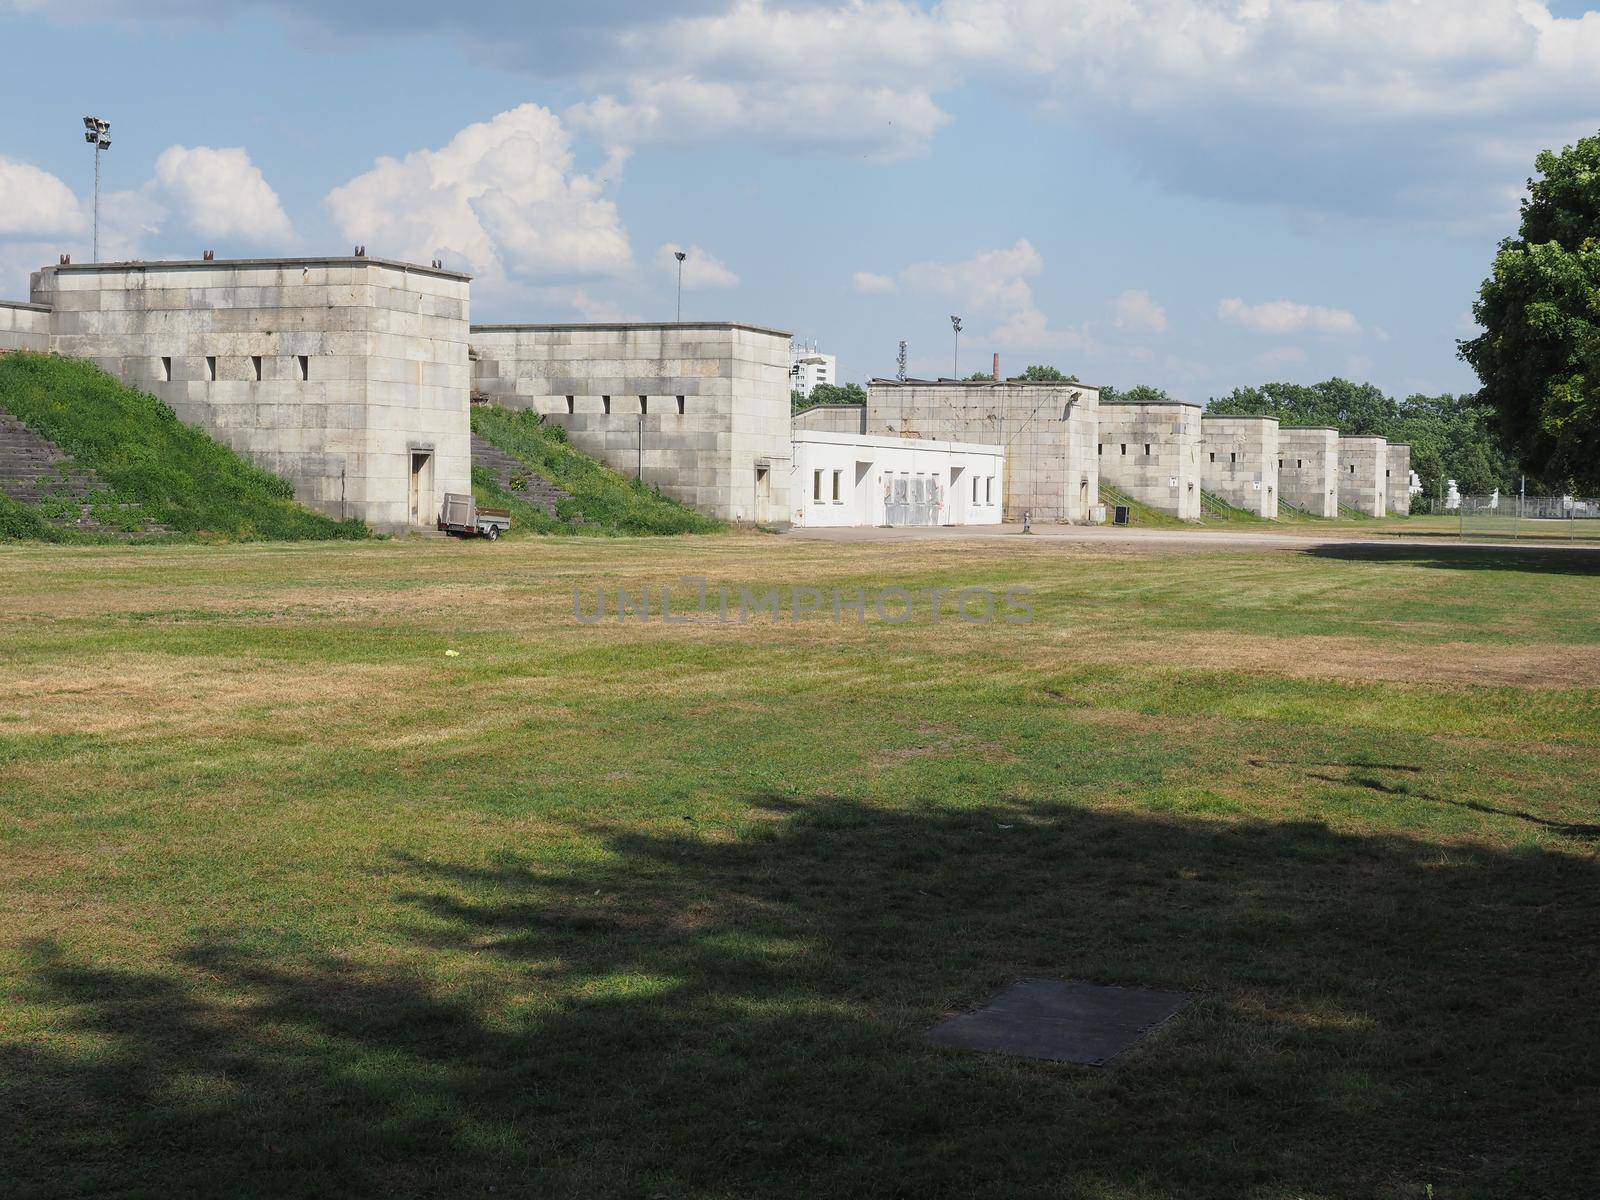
<point>421,507</point>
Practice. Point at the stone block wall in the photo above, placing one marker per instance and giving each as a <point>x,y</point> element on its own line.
<point>1152,452</point>
<point>1239,462</point>
<point>832,418</point>
<point>1397,482</point>
<point>24,326</point>
<point>1308,468</point>
<point>348,377</point>
<point>1362,468</point>
<point>1047,430</point>
<point>699,409</point>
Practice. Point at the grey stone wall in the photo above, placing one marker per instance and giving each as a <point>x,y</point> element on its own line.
<point>1308,468</point>
<point>1152,452</point>
<point>1047,430</point>
<point>1362,465</point>
<point>24,326</point>
<point>338,374</point>
<point>1397,484</point>
<point>698,409</point>
<point>1239,462</point>
<point>832,418</point>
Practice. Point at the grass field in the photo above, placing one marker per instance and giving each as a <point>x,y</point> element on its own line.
<point>298,904</point>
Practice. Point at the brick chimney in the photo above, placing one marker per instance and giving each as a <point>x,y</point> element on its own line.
<point>997,366</point>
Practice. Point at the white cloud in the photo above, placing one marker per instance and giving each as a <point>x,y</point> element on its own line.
<point>993,286</point>
<point>1280,356</point>
<point>1135,312</point>
<point>221,194</point>
<point>1282,317</point>
<point>865,283</point>
<point>702,270</point>
<point>35,204</point>
<point>501,199</point>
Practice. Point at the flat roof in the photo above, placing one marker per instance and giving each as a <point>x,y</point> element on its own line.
<point>889,441</point>
<point>1154,403</point>
<point>27,304</point>
<point>1311,428</point>
<point>626,326</point>
<point>986,383</point>
<point>158,264</point>
<point>1210,416</point>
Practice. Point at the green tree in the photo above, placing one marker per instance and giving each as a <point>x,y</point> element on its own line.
<point>1539,353</point>
<point>980,377</point>
<point>1139,393</point>
<point>1042,374</point>
<point>829,393</point>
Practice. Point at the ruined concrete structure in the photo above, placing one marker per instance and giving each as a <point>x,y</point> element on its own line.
<point>1308,468</point>
<point>1151,451</point>
<point>345,376</point>
<point>1362,471</point>
<point>1239,462</point>
<point>699,409</point>
<point>24,326</point>
<point>1397,478</point>
<point>1047,431</point>
<point>831,418</point>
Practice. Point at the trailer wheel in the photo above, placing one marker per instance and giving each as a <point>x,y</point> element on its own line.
<point>492,533</point>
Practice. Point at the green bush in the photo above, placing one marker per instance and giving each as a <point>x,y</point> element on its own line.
<point>600,500</point>
<point>150,465</point>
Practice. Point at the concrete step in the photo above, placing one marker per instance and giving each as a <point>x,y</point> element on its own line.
<point>539,491</point>
<point>33,468</point>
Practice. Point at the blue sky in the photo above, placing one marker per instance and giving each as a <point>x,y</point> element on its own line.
<point>1192,193</point>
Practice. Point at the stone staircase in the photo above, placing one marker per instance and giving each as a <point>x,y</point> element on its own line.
<point>34,470</point>
<point>539,491</point>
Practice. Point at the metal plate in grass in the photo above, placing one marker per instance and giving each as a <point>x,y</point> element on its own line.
<point>1060,1021</point>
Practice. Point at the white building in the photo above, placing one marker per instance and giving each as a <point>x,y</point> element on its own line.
<point>809,367</point>
<point>857,479</point>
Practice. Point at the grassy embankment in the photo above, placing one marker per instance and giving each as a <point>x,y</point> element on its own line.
<point>602,502</point>
<point>299,905</point>
<point>150,466</point>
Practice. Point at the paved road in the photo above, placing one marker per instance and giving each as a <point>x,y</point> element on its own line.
<point>1354,544</point>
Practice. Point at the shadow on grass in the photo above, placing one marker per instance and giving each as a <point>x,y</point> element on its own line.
<point>741,1013</point>
<point>1553,559</point>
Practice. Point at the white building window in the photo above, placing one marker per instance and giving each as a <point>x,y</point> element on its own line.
<point>838,486</point>
<point>988,489</point>
<point>976,480</point>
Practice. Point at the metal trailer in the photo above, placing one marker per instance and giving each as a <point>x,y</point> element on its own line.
<point>462,516</point>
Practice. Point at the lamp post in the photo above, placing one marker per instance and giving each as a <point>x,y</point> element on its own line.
<point>680,256</point>
<point>94,132</point>
<point>955,324</point>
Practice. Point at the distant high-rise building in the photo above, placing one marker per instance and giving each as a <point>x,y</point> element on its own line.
<point>809,367</point>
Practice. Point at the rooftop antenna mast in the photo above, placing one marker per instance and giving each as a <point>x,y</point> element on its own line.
<point>94,132</point>
<point>900,362</point>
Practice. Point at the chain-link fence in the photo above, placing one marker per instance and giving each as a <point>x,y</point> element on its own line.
<point>1569,518</point>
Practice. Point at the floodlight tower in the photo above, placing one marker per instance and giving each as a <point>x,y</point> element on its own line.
<point>680,256</point>
<point>955,324</point>
<point>94,132</point>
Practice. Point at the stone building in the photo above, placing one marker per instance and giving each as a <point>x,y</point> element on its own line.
<point>699,409</point>
<point>24,326</point>
<point>348,377</point>
<point>1239,462</point>
<point>1308,468</point>
<point>1362,469</point>
<point>1151,451</point>
<point>1397,478</point>
<point>1046,430</point>
<point>831,418</point>
<point>863,479</point>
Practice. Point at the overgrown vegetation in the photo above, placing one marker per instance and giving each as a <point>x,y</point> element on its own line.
<point>600,500</point>
<point>828,393</point>
<point>151,467</point>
